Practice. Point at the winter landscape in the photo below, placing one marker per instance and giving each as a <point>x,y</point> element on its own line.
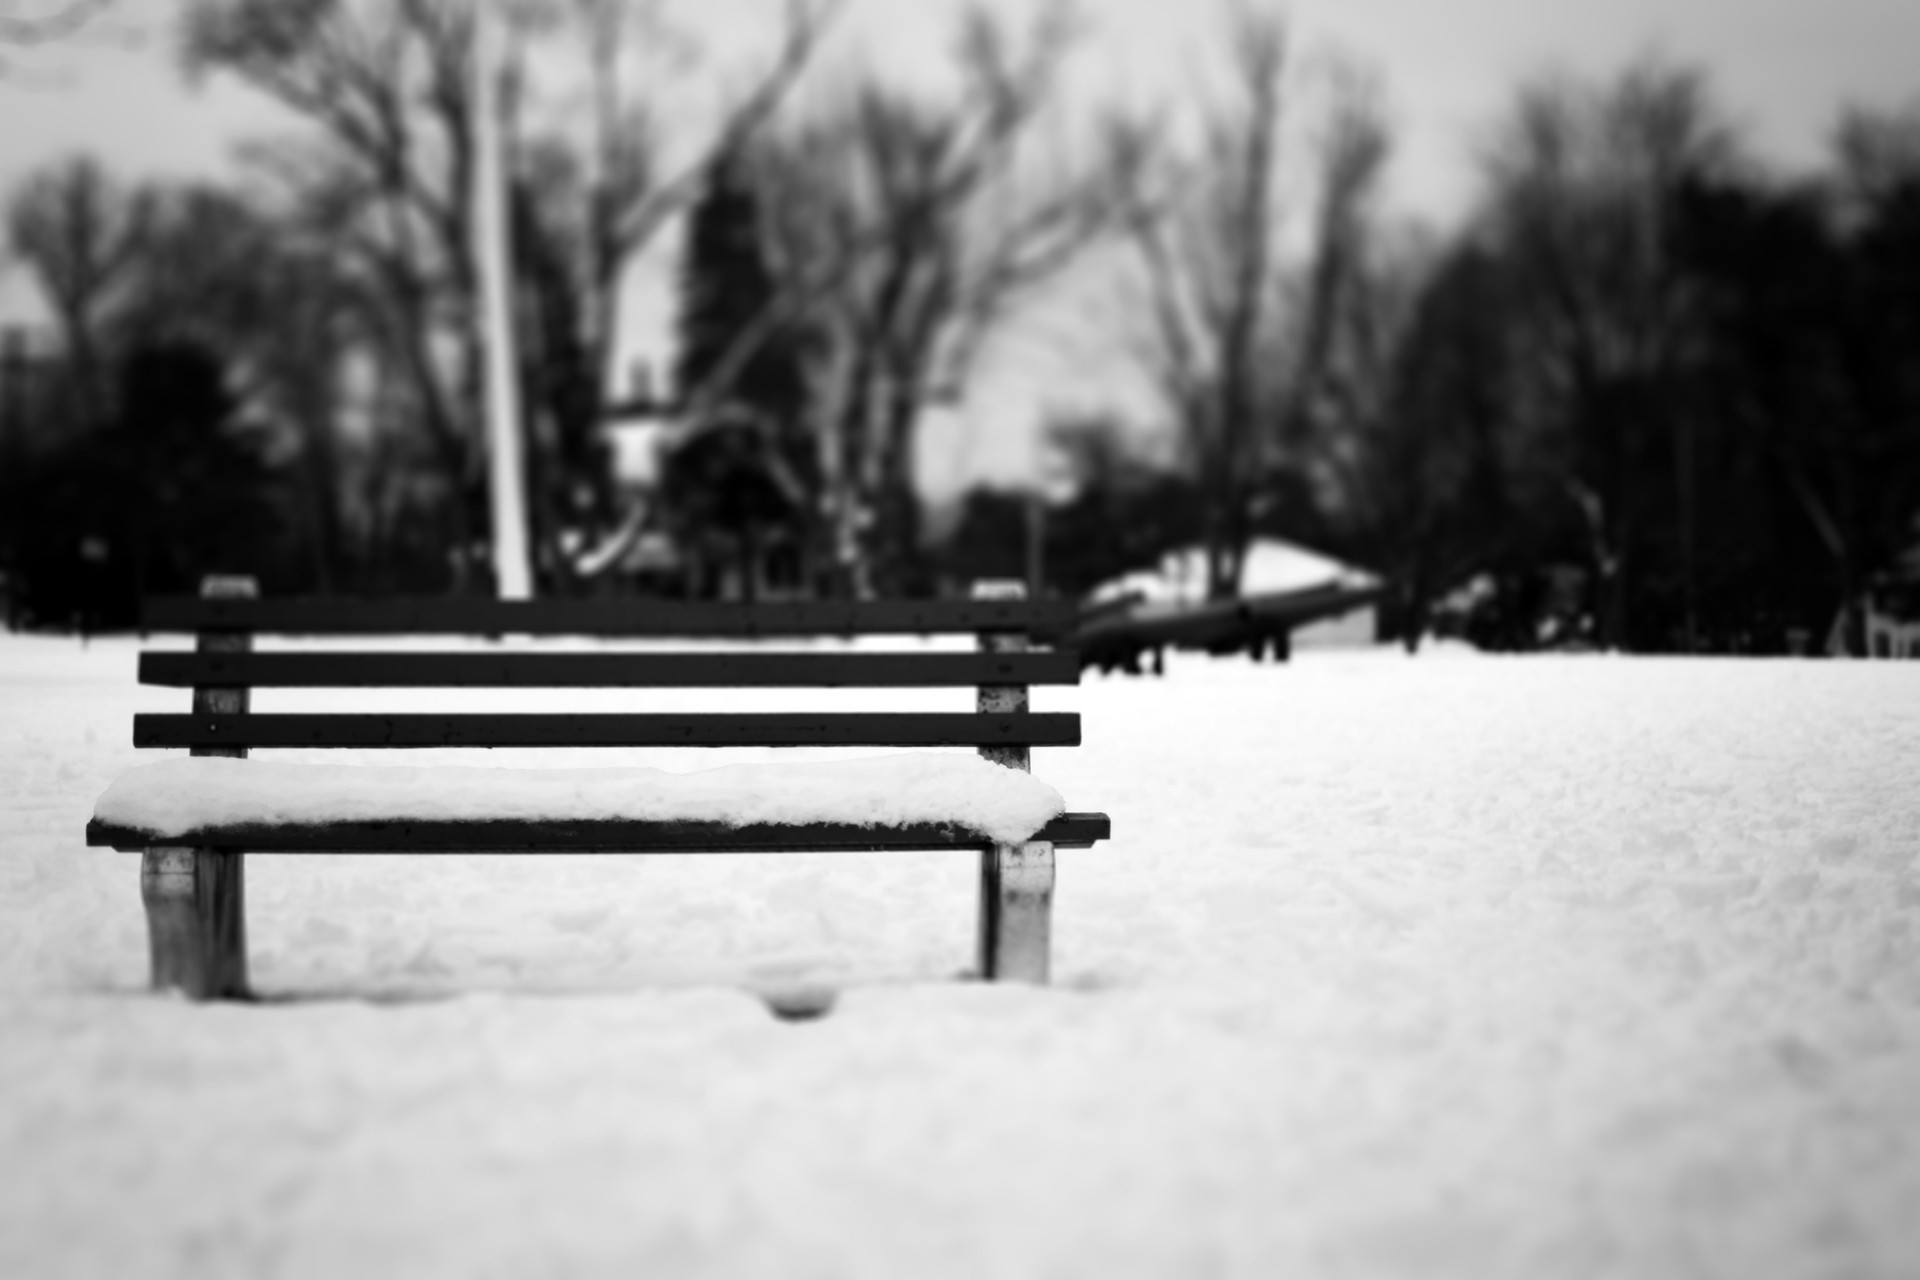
<point>1517,401</point>
<point>1454,965</point>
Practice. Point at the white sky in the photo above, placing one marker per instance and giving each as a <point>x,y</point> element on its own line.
<point>1784,67</point>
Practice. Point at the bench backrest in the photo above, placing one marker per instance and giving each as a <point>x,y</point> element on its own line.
<point>224,668</point>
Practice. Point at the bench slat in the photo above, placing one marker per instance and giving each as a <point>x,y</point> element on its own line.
<point>606,670</point>
<point>1071,831</point>
<point>791,729</point>
<point>296,615</point>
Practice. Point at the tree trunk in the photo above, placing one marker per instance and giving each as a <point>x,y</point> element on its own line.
<point>895,534</point>
<point>1684,483</point>
<point>750,563</point>
<point>319,467</point>
<point>1614,525</point>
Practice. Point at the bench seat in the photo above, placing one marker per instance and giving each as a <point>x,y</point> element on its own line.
<point>563,835</point>
<point>918,801</point>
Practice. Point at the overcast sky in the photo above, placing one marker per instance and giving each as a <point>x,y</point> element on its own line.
<point>1784,68</point>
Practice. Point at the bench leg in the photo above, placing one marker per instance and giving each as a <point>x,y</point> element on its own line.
<point>1016,912</point>
<point>196,921</point>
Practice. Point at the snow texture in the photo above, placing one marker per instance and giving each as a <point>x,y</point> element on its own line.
<point>966,791</point>
<point>1451,966</point>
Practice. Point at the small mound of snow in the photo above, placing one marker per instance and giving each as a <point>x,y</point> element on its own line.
<point>967,791</point>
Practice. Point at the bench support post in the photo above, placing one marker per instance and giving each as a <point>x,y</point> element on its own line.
<point>1016,881</point>
<point>196,921</point>
<point>196,899</point>
<point>1016,912</point>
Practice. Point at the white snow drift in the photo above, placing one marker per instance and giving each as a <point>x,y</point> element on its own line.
<point>966,791</point>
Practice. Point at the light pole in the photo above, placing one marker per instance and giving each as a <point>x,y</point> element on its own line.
<point>506,471</point>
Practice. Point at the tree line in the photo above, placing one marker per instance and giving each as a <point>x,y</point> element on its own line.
<point>1650,393</point>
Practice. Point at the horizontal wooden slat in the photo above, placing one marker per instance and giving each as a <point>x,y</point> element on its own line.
<point>1073,830</point>
<point>606,670</point>
<point>893,729</point>
<point>353,616</point>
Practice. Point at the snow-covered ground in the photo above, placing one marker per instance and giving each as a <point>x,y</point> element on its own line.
<point>1451,966</point>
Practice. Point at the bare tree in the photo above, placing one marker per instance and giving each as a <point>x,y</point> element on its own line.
<point>80,232</point>
<point>616,188</point>
<point>1208,241</point>
<point>51,25</point>
<point>1579,181</point>
<point>124,268</point>
<point>389,169</point>
<point>1876,152</point>
<point>1243,337</point>
<point>262,288</point>
<point>591,196</point>
<point>906,229</point>
<point>386,88</point>
<point>1431,488</point>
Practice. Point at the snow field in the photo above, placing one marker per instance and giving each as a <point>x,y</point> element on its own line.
<point>1452,966</point>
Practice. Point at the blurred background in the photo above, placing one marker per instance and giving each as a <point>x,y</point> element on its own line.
<point>1535,325</point>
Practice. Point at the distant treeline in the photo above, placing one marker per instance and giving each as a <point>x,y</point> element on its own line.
<point>1667,416</point>
<point>1652,393</point>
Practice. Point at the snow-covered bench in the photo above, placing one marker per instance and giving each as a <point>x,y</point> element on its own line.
<point>194,818</point>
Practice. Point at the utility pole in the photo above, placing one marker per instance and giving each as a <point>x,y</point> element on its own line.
<point>507,487</point>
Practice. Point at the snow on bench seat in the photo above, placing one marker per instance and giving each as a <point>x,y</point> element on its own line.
<point>175,796</point>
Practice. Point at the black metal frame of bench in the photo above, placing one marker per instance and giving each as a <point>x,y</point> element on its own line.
<point>193,883</point>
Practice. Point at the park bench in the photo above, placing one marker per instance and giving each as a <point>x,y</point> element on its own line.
<point>1117,635</point>
<point>192,878</point>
